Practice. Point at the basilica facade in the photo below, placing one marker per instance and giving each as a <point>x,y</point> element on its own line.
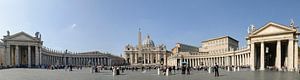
<point>146,53</point>
<point>24,50</point>
<point>273,46</point>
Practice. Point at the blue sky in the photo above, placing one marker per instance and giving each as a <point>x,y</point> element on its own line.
<point>108,25</point>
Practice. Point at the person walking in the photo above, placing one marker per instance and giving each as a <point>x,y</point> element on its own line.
<point>216,67</point>
<point>188,70</point>
<point>93,69</point>
<point>183,69</point>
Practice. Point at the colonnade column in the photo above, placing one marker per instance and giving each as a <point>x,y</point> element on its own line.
<point>40,55</point>
<point>296,55</point>
<point>29,56</point>
<point>227,61</point>
<point>278,55</point>
<point>37,56</point>
<point>165,58</point>
<point>245,59</point>
<point>199,60</point>
<point>251,60</point>
<point>8,58</point>
<point>240,60</point>
<point>262,56</point>
<point>192,62</point>
<point>290,55</point>
<point>232,60</point>
<point>222,61</point>
<point>17,55</point>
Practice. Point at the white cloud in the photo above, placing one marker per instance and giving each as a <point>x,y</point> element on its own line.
<point>73,26</point>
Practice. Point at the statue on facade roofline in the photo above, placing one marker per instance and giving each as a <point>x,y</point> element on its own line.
<point>8,33</point>
<point>37,34</point>
<point>292,24</point>
<point>248,30</point>
<point>252,28</point>
<point>66,51</point>
<point>40,36</point>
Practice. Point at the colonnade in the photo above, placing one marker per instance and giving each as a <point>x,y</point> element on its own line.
<point>76,60</point>
<point>241,59</point>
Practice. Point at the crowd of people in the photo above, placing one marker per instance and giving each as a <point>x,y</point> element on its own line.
<point>171,70</point>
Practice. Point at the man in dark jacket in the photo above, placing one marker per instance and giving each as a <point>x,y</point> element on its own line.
<point>216,70</point>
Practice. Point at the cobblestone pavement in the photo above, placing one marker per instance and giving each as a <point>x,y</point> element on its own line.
<point>85,74</point>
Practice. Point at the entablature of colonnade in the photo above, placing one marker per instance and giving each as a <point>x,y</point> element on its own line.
<point>273,32</point>
<point>226,54</point>
<point>74,55</point>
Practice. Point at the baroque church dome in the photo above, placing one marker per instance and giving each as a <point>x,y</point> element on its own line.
<point>148,42</point>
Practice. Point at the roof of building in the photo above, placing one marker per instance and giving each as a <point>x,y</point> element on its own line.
<point>221,38</point>
<point>187,45</point>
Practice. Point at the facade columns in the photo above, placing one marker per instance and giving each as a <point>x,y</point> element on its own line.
<point>262,56</point>
<point>241,60</point>
<point>37,56</point>
<point>159,58</point>
<point>252,52</point>
<point>232,60</point>
<point>165,58</point>
<point>296,55</point>
<point>144,58</point>
<point>136,58</point>
<point>131,58</point>
<point>249,59</point>
<point>156,56</point>
<point>278,55</point>
<point>8,55</point>
<point>151,60</point>
<point>40,55</point>
<point>29,56</point>
<point>192,62</point>
<point>227,61</point>
<point>148,56</point>
<point>290,55</point>
<point>17,55</point>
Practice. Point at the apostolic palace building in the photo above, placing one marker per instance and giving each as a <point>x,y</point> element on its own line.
<point>24,50</point>
<point>273,46</point>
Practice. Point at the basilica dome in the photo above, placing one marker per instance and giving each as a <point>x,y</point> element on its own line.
<point>148,42</point>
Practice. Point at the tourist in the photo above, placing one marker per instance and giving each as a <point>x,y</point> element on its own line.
<point>71,67</point>
<point>96,69</point>
<point>143,68</point>
<point>174,70</point>
<point>170,70</point>
<point>188,70</point>
<point>216,70</point>
<point>122,69</point>
<point>183,70</point>
<point>93,68</point>
<point>66,68</point>
<point>118,71</point>
<point>164,70</point>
